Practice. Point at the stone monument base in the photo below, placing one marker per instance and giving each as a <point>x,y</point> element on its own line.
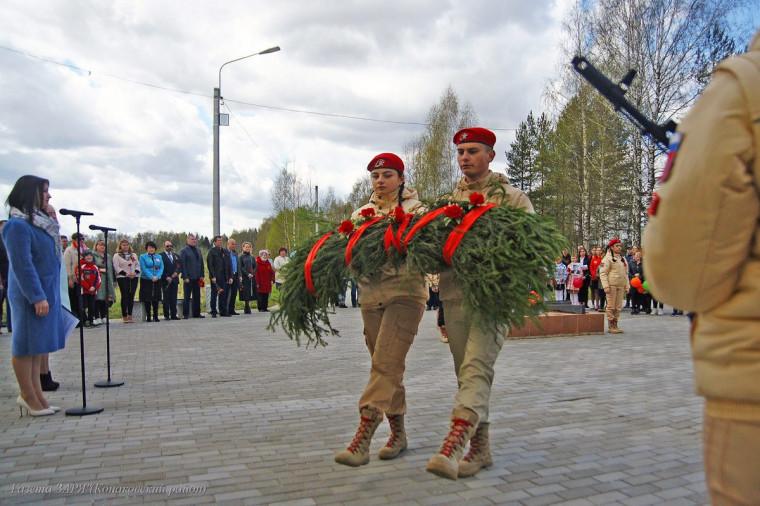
<point>559,324</point>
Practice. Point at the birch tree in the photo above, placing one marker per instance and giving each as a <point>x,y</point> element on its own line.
<point>430,159</point>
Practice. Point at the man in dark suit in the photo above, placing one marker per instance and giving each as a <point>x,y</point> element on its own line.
<point>234,266</point>
<point>191,268</point>
<point>220,274</point>
<point>170,281</point>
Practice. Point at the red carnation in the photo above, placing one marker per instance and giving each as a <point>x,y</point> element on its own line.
<point>346,227</point>
<point>399,215</point>
<point>453,211</point>
<point>477,198</point>
<point>368,212</point>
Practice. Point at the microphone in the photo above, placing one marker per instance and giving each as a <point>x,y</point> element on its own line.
<point>71,212</point>
<point>102,229</point>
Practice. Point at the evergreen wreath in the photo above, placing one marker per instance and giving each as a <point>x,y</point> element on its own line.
<point>498,256</point>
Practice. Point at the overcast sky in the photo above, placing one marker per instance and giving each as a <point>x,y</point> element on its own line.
<point>140,157</point>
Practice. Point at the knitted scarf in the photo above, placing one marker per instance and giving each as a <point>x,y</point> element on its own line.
<point>43,221</point>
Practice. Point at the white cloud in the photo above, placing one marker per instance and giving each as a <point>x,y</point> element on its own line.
<point>140,158</point>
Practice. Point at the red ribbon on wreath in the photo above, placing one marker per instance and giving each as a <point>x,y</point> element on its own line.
<point>456,235</point>
<point>395,239</point>
<point>356,235</point>
<point>310,260</point>
<point>424,221</point>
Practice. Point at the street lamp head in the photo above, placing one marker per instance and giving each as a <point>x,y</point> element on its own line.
<point>266,51</point>
<point>217,97</point>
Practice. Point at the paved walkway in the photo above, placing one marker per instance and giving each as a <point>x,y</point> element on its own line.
<point>224,411</point>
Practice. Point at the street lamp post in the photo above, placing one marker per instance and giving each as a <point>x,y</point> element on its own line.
<point>217,98</point>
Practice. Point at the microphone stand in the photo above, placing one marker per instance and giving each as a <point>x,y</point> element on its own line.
<point>85,409</point>
<point>108,383</point>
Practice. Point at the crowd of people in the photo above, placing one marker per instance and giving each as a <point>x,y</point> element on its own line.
<point>721,150</point>
<point>154,278</point>
<point>576,278</point>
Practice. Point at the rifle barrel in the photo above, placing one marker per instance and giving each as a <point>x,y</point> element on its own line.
<point>616,95</point>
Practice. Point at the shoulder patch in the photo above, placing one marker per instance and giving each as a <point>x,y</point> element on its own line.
<point>675,143</point>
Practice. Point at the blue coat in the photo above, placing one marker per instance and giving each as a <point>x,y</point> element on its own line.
<point>34,275</point>
<point>151,266</point>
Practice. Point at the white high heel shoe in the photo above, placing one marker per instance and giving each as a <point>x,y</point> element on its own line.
<point>22,404</point>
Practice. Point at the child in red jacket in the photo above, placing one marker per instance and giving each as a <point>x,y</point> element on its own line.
<point>90,285</point>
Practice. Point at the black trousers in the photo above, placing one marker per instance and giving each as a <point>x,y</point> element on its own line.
<point>583,292</point>
<point>147,304</point>
<point>170,299</point>
<point>74,299</point>
<point>232,291</point>
<point>191,289</point>
<point>101,308</point>
<point>128,289</point>
<point>263,301</point>
<point>220,297</point>
<point>88,306</point>
<point>433,301</point>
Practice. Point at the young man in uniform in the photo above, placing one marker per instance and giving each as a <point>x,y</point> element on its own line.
<point>473,348</point>
<point>708,203</point>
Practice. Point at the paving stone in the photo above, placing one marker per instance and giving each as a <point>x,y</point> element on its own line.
<point>249,417</point>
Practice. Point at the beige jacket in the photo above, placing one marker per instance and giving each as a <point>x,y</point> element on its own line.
<point>392,283</point>
<point>702,243</point>
<point>70,261</point>
<point>497,190</point>
<point>613,274</point>
<point>123,266</point>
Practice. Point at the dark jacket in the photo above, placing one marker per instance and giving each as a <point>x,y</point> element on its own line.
<point>636,268</point>
<point>170,268</point>
<point>3,260</point>
<point>191,262</point>
<point>228,258</point>
<point>246,265</point>
<point>219,265</point>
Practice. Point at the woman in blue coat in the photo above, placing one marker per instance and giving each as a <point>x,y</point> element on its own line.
<point>39,323</point>
<point>151,268</point>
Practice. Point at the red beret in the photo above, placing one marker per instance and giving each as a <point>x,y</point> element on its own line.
<point>613,242</point>
<point>475,134</point>
<point>386,161</point>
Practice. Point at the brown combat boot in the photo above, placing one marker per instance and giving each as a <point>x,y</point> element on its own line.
<point>614,329</point>
<point>479,455</point>
<point>444,334</point>
<point>445,463</point>
<point>397,440</point>
<point>357,453</point>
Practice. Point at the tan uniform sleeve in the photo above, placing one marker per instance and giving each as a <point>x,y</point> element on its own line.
<point>604,272</point>
<point>520,200</point>
<point>701,234</point>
